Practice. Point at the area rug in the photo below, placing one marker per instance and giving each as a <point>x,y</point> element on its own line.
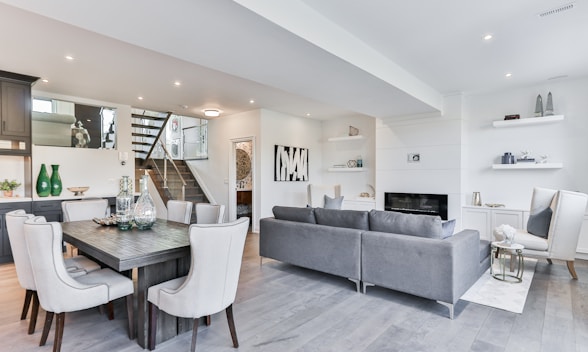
<point>502,295</point>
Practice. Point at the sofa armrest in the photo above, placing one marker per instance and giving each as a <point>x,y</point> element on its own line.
<point>436,269</point>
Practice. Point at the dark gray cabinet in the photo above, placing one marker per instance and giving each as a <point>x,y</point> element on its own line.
<point>5,251</point>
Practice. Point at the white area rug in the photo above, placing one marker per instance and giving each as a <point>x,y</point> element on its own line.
<point>502,295</point>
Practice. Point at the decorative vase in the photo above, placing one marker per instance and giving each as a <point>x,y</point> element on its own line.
<point>56,185</point>
<point>43,183</point>
<point>124,205</point>
<point>539,106</point>
<point>8,193</point>
<point>145,208</point>
<point>549,105</point>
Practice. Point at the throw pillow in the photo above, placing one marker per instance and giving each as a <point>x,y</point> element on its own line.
<point>538,224</point>
<point>333,203</point>
<point>447,228</point>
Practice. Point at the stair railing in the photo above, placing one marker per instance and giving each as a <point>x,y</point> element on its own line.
<point>163,174</point>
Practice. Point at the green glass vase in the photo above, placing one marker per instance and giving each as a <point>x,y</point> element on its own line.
<point>43,182</point>
<point>56,185</point>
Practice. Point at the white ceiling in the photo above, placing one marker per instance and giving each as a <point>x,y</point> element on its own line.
<point>329,58</point>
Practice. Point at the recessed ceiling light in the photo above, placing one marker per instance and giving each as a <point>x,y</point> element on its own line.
<point>184,106</point>
<point>307,114</point>
<point>212,112</point>
<point>508,75</point>
<point>45,80</point>
<point>177,83</point>
<point>140,98</point>
<point>69,57</point>
<point>487,36</point>
<point>251,101</point>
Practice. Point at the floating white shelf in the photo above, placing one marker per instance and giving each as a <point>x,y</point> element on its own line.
<point>345,138</point>
<point>346,169</point>
<point>522,166</point>
<point>528,121</point>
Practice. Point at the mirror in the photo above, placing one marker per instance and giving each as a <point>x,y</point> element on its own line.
<point>67,124</point>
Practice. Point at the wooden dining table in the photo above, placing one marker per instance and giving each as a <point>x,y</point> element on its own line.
<point>159,254</point>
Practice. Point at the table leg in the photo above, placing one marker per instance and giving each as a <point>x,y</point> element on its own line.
<point>147,276</point>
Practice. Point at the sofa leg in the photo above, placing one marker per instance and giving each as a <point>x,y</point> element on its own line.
<point>357,284</point>
<point>365,285</point>
<point>448,305</point>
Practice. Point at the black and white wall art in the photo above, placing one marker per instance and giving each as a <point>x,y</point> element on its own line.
<point>291,163</point>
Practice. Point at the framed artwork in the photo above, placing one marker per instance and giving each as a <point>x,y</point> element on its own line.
<point>291,163</point>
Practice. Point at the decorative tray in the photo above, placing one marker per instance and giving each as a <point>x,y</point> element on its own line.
<point>494,205</point>
<point>109,221</point>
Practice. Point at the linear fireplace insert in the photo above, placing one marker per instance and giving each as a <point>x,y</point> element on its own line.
<point>417,203</point>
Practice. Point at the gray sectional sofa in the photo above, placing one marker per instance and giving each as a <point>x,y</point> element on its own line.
<point>416,254</point>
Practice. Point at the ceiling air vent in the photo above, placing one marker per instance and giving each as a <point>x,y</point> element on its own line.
<point>557,10</point>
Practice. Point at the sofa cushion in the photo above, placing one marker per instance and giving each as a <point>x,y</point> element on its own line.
<point>305,214</point>
<point>448,227</point>
<point>352,219</point>
<point>484,249</point>
<point>333,203</point>
<point>538,224</point>
<point>407,224</point>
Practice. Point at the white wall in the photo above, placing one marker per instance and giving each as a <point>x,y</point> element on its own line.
<point>352,183</point>
<point>565,142</point>
<point>439,142</point>
<point>13,168</point>
<point>282,129</point>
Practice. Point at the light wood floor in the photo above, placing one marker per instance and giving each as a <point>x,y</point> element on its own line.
<point>280,307</point>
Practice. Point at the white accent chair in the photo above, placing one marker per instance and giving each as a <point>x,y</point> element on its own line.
<point>86,209</point>
<point>75,267</point>
<point>207,213</point>
<point>58,292</point>
<point>568,209</point>
<point>316,194</point>
<point>179,211</point>
<point>211,284</point>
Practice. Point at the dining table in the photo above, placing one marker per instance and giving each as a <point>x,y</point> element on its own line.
<point>158,254</point>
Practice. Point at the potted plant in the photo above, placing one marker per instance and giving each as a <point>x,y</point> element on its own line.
<point>8,187</point>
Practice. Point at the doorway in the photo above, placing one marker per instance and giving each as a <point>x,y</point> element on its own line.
<point>242,176</point>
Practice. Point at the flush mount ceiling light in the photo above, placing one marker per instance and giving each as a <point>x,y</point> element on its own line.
<point>211,112</point>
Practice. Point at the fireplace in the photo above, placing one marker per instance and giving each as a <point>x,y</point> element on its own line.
<point>417,203</point>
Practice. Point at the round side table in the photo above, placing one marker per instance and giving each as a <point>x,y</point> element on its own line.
<point>502,250</point>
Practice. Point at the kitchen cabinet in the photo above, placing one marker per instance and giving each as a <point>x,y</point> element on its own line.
<point>486,219</point>
<point>15,113</point>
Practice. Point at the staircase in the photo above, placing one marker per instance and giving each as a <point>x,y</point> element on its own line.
<point>147,127</point>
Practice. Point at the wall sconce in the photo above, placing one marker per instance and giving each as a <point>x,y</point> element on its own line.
<point>123,157</point>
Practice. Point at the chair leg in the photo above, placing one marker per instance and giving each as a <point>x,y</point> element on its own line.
<point>229,311</point>
<point>46,328</point>
<point>207,320</point>
<point>549,261</point>
<point>153,310</point>
<point>131,317</point>
<point>34,313</point>
<point>27,304</point>
<point>110,310</point>
<point>572,270</point>
<point>59,323</point>
<point>194,335</point>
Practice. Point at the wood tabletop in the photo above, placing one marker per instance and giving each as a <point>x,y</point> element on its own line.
<point>124,250</point>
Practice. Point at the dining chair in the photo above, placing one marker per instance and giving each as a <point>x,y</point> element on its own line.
<point>207,213</point>
<point>554,226</point>
<point>57,291</point>
<point>75,266</point>
<point>179,211</point>
<point>211,283</point>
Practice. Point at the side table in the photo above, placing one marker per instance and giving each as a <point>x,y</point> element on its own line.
<point>502,250</point>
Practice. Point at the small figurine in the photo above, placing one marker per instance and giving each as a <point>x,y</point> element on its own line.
<point>543,159</point>
<point>549,106</point>
<point>539,106</point>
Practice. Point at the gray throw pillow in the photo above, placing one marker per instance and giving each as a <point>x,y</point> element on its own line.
<point>333,203</point>
<point>447,228</point>
<point>538,224</point>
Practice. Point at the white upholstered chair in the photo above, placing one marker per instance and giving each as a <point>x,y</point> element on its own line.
<point>211,284</point>
<point>316,194</point>
<point>560,214</point>
<point>58,292</point>
<point>207,213</point>
<point>86,209</point>
<point>179,211</point>
<point>75,266</point>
